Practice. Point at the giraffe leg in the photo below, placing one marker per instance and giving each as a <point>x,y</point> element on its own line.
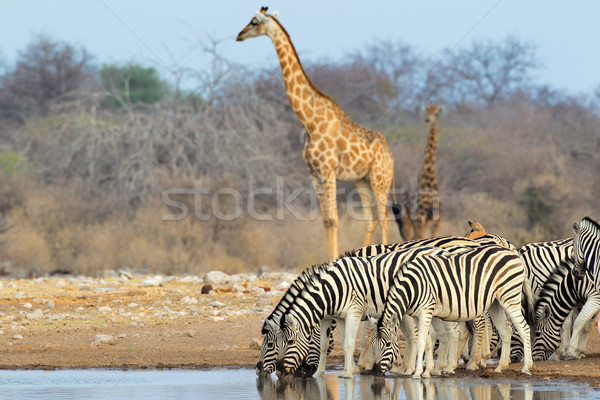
<point>326,192</point>
<point>381,181</point>
<point>368,203</point>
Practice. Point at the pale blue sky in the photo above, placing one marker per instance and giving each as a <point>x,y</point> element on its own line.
<point>163,32</point>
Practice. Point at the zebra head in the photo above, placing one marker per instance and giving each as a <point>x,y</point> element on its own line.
<point>385,345</point>
<point>547,336</point>
<point>267,359</point>
<point>293,345</point>
<point>586,248</point>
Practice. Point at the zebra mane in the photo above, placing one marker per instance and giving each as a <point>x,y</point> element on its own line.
<point>307,278</point>
<point>593,224</point>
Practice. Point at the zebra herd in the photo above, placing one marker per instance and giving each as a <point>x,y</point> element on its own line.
<point>439,287</point>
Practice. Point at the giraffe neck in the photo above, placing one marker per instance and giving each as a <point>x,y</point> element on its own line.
<point>428,177</point>
<point>299,88</point>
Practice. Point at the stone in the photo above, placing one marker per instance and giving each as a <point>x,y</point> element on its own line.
<point>105,309</point>
<point>217,278</point>
<point>36,315</point>
<point>17,336</point>
<point>152,282</point>
<point>19,295</point>
<point>206,289</point>
<point>217,304</point>
<point>189,333</point>
<point>104,339</point>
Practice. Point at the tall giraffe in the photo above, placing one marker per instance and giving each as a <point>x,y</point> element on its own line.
<point>428,202</point>
<point>336,147</point>
<point>424,205</point>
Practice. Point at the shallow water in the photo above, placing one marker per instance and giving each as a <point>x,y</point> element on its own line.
<point>243,384</point>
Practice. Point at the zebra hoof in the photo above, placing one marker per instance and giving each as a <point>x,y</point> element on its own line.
<point>525,371</point>
<point>567,357</point>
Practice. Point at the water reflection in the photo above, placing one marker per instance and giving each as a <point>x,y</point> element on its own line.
<point>367,387</point>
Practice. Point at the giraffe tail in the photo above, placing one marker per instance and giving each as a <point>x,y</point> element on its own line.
<point>397,211</point>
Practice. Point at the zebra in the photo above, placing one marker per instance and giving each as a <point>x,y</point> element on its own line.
<point>455,287</point>
<point>270,327</point>
<point>541,261</point>
<point>586,249</point>
<point>269,350</point>
<point>346,290</point>
<point>561,293</point>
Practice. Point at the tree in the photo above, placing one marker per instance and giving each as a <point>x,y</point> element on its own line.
<point>131,84</point>
<point>488,71</point>
<point>46,71</point>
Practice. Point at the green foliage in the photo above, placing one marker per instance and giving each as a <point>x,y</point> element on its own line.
<point>11,162</point>
<point>131,84</point>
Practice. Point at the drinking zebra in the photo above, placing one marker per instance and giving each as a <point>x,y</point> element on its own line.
<point>561,293</point>
<point>455,287</point>
<point>347,290</point>
<point>270,329</point>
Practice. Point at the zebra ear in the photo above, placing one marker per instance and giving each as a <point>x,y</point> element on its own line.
<point>291,320</point>
<point>393,324</point>
<point>546,312</point>
<point>575,227</point>
<point>271,325</point>
<point>372,321</point>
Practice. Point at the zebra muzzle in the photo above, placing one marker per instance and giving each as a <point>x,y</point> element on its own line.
<point>377,370</point>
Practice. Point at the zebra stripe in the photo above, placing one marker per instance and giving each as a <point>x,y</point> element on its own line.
<point>560,294</point>
<point>586,249</point>
<point>456,287</point>
<point>542,258</point>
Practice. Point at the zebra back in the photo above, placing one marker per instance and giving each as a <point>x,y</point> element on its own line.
<point>542,258</point>
<point>586,248</point>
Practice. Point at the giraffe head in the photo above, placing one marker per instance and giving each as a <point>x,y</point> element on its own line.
<point>260,25</point>
<point>433,111</point>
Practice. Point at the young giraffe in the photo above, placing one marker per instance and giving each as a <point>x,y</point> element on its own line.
<point>336,147</point>
<point>427,203</point>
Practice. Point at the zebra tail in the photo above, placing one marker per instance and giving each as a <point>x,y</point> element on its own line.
<point>528,303</point>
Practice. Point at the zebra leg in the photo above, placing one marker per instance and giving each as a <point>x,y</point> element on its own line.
<point>442,359</point>
<point>478,333</point>
<point>463,339</point>
<point>514,313</point>
<point>365,360</point>
<point>452,332</point>
<point>424,324</point>
<point>587,313</point>
<point>409,330</point>
<point>487,338</point>
<point>499,320</point>
<point>325,324</point>
<point>352,325</point>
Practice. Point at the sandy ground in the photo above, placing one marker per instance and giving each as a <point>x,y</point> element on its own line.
<point>117,323</point>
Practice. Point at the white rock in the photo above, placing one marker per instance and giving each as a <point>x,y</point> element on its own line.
<point>27,305</point>
<point>105,309</point>
<point>19,295</point>
<point>132,305</point>
<point>61,283</point>
<point>283,285</point>
<point>217,278</point>
<point>17,336</point>
<point>104,339</point>
<point>189,300</point>
<point>217,304</point>
<point>192,279</point>
<point>239,287</point>
<point>36,315</point>
<point>152,282</point>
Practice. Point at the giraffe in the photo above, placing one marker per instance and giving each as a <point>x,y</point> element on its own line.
<point>419,208</point>
<point>336,148</point>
